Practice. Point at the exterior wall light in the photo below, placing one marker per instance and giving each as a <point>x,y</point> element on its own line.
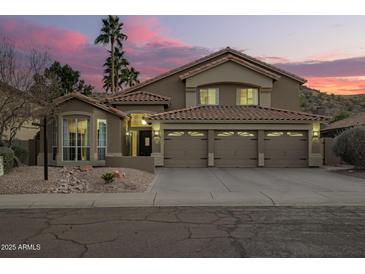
<point>156,136</point>
<point>316,131</point>
<point>143,122</point>
<point>127,133</point>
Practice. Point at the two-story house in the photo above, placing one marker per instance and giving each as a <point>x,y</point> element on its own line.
<point>224,110</point>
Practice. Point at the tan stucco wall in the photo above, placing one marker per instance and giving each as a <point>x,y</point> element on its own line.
<point>26,132</point>
<point>229,72</point>
<point>74,107</point>
<point>265,98</point>
<point>141,108</point>
<point>284,94</point>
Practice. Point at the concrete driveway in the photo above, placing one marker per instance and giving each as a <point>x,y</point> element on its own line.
<point>275,186</point>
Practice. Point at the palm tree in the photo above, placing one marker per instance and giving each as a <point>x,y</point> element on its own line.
<point>120,70</point>
<point>111,33</point>
<point>132,77</point>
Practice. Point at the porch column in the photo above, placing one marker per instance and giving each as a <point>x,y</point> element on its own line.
<point>260,148</point>
<point>211,148</point>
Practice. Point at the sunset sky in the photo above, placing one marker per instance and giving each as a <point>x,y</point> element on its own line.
<point>329,51</point>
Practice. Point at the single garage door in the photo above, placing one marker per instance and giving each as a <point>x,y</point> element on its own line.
<point>186,148</point>
<point>286,149</point>
<point>235,149</point>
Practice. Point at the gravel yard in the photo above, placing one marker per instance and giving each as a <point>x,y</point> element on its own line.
<point>29,179</point>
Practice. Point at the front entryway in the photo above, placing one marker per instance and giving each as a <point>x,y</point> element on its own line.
<point>145,143</point>
<point>186,148</point>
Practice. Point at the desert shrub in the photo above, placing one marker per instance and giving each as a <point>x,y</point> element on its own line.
<point>8,156</point>
<point>341,116</point>
<point>350,146</point>
<point>21,153</point>
<point>108,177</point>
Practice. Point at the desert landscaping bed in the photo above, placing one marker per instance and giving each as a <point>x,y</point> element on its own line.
<point>29,179</point>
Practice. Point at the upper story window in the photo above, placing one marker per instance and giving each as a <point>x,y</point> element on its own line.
<point>247,96</point>
<point>208,96</point>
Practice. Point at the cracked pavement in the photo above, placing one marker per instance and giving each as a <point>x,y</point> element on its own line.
<point>186,232</point>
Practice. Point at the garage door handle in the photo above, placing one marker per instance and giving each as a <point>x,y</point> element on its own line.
<point>267,139</point>
<point>217,139</point>
<point>254,139</point>
<point>253,158</point>
<point>303,159</point>
<point>166,158</point>
<point>217,158</point>
<point>267,158</point>
<point>203,158</point>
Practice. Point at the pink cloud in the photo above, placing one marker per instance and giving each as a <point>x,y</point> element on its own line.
<point>142,30</point>
<point>338,85</point>
<point>149,48</point>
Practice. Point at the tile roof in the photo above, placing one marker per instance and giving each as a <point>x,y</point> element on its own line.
<point>138,97</point>
<point>89,100</point>
<point>225,59</point>
<point>356,120</point>
<point>235,113</point>
<point>213,55</point>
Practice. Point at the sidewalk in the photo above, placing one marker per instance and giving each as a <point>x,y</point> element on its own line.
<point>151,199</point>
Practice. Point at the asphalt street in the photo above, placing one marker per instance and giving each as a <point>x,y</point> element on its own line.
<point>184,232</point>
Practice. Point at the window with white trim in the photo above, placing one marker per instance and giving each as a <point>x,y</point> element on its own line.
<point>208,96</point>
<point>101,139</point>
<point>247,96</point>
<point>76,141</point>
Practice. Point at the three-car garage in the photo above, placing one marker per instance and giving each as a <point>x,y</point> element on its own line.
<point>235,148</point>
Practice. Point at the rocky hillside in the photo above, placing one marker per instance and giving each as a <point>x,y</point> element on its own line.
<point>317,102</point>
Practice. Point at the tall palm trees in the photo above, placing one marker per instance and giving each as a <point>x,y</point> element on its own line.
<point>117,72</point>
<point>111,33</point>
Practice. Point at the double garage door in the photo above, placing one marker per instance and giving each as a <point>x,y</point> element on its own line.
<point>189,148</point>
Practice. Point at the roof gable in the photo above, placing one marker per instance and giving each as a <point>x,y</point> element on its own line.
<point>90,101</point>
<point>227,50</point>
<point>139,97</point>
<point>225,59</point>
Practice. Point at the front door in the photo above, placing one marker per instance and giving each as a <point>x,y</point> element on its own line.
<point>145,143</point>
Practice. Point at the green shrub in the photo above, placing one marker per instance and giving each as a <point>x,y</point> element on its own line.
<point>350,146</point>
<point>108,177</point>
<point>21,153</point>
<point>8,156</point>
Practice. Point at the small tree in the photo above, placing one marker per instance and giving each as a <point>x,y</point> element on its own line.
<point>350,146</point>
<point>69,79</point>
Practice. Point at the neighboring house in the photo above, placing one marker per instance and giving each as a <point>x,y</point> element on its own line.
<point>224,110</point>
<point>336,128</point>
